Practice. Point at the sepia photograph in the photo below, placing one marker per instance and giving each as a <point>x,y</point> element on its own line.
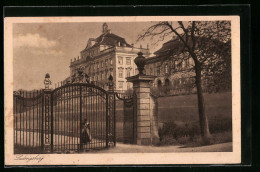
<point>122,90</point>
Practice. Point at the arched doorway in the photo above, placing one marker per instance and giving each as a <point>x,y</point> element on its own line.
<point>167,82</point>
<point>159,83</point>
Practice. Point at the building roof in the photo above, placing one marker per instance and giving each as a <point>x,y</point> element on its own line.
<point>108,38</point>
<point>111,39</point>
<point>174,44</point>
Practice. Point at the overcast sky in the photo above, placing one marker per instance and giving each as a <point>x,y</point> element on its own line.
<point>41,48</point>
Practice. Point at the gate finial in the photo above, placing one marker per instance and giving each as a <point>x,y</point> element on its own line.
<point>47,81</point>
<point>140,62</point>
<point>110,83</point>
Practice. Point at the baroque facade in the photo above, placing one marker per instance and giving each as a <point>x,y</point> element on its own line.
<point>172,70</point>
<point>108,54</point>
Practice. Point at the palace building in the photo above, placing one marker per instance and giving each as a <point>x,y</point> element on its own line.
<point>171,68</point>
<point>108,54</point>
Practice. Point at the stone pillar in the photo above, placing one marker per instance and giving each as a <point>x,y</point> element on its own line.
<point>147,129</point>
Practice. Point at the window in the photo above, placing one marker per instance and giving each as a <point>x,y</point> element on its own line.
<point>176,65</point>
<point>128,60</point>
<point>97,65</point>
<point>179,66</point>
<point>166,69</point>
<point>159,83</point>
<point>128,85</point>
<point>120,73</point>
<point>183,64</point>
<point>128,72</point>
<point>173,65</point>
<point>106,62</point>
<point>120,84</point>
<point>102,64</point>
<point>167,82</point>
<point>158,70</point>
<point>120,60</point>
<point>186,63</point>
<point>111,61</point>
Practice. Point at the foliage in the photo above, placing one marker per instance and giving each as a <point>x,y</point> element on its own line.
<point>208,44</point>
<point>188,133</point>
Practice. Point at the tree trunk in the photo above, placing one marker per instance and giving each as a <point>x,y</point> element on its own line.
<point>204,127</point>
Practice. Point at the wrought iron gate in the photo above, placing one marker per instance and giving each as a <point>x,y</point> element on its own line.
<point>130,118</point>
<point>73,117</point>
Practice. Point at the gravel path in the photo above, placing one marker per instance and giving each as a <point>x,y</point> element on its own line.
<point>127,148</point>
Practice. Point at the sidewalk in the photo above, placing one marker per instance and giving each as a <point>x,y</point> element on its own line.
<point>128,148</point>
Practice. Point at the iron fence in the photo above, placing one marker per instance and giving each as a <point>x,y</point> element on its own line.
<point>72,118</point>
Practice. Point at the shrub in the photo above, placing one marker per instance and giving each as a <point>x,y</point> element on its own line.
<point>189,133</point>
<point>220,125</point>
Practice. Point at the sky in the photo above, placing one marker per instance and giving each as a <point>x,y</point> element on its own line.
<point>40,48</point>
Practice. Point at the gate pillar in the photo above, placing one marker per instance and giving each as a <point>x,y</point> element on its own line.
<point>147,123</point>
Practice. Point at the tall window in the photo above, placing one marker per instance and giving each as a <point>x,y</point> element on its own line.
<point>173,65</point>
<point>176,65</point>
<point>120,84</point>
<point>128,72</point>
<point>128,85</point>
<point>111,61</point>
<point>120,73</point>
<point>166,69</point>
<point>128,60</point>
<point>179,66</point>
<point>97,65</point>
<point>106,62</point>
<point>102,64</point>
<point>167,82</point>
<point>159,83</point>
<point>158,70</point>
<point>120,60</point>
<point>187,63</point>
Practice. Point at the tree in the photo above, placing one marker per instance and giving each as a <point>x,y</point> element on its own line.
<point>208,43</point>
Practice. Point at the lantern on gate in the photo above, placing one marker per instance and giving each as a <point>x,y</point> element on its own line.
<point>110,83</point>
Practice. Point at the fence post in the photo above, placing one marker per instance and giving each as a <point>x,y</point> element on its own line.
<point>144,119</point>
<point>52,122</point>
<point>107,121</point>
<point>80,118</point>
<point>111,122</point>
<point>42,131</point>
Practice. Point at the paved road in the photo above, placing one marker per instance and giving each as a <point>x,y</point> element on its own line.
<point>120,147</point>
<point>127,148</point>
